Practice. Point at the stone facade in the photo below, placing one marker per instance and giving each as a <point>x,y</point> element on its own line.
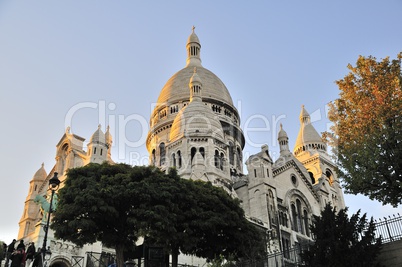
<point>69,154</point>
<point>195,128</point>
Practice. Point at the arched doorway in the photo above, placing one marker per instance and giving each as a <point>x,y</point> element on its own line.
<point>60,262</point>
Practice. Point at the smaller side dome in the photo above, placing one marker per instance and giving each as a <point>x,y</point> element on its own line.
<point>308,137</point>
<point>282,134</point>
<point>40,174</point>
<point>283,142</point>
<point>108,136</point>
<point>98,136</point>
<point>193,38</point>
<point>195,79</point>
<point>196,118</point>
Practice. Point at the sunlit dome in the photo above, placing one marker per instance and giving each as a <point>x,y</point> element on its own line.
<point>176,88</point>
<point>40,174</point>
<point>98,136</point>
<point>196,119</point>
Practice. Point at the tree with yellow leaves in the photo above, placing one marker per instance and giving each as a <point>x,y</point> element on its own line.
<point>367,133</point>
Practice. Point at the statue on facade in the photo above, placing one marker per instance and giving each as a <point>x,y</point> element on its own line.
<point>45,205</point>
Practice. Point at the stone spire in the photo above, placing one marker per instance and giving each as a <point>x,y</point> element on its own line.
<point>283,141</point>
<point>195,87</point>
<point>108,137</point>
<point>308,138</point>
<point>193,47</point>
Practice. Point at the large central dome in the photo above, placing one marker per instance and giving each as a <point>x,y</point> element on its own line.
<point>180,125</point>
<point>176,88</point>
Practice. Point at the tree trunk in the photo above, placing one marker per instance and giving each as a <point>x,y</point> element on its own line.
<point>175,257</point>
<point>119,255</point>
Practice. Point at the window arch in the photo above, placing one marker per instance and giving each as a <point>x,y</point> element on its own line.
<point>306,223</point>
<point>330,177</point>
<point>162,153</point>
<point>312,177</point>
<point>221,161</point>
<point>63,158</point>
<point>231,153</point>
<point>179,158</point>
<point>216,159</point>
<point>270,206</point>
<point>202,152</point>
<point>174,160</point>
<point>294,217</point>
<point>153,159</point>
<point>193,151</point>
<point>239,156</point>
<point>300,217</point>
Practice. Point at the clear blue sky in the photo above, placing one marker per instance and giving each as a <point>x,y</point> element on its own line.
<point>57,57</point>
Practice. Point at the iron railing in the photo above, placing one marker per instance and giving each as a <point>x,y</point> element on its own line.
<point>95,259</point>
<point>389,229</point>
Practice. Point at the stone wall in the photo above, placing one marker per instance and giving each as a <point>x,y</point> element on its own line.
<point>391,254</point>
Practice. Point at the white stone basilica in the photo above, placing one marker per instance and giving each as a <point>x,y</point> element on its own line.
<point>196,129</point>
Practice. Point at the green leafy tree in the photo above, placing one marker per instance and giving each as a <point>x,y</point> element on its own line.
<point>115,204</point>
<point>367,131</point>
<point>340,241</point>
<point>197,218</point>
<point>98,203</point>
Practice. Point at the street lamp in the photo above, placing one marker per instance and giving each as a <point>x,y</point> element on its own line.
<point>53,186</point>
<point>48,255</point>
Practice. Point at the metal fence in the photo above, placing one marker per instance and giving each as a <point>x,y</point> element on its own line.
<point>95,259</point>
<point>389,229</point>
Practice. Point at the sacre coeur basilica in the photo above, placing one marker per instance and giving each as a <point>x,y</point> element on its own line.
<point>195,128</point>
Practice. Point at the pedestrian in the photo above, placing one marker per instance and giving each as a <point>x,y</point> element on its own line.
<point>3,252</point>
<point>21,244</point>
<point>37,260</point>
<point>10,250</point>
<point>30,253</point>
<point>16,258</point>
<point>24,257</point>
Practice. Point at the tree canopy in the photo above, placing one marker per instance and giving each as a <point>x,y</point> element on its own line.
<point>340,241</point>
<point>367,131</point>
<point>115,204</point>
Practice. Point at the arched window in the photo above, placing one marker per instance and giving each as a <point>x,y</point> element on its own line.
<point>306,224</point>
<point>285,219</point>
<point>153,160</point>
<point>294,217</point>
<point>202,152</point>
<point>162,153</point>
<point>270,207</point>
<point>231,153</point>
<point>216,159</point>
<point>179,158</point>
<point>221,161</point>
<point>63,158</point>
<point>329,175</point>
<point>174,160</point>
<point>312,177</point>
<point>239,157</point>
<point>193,151</point>
<point>299,217</point>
